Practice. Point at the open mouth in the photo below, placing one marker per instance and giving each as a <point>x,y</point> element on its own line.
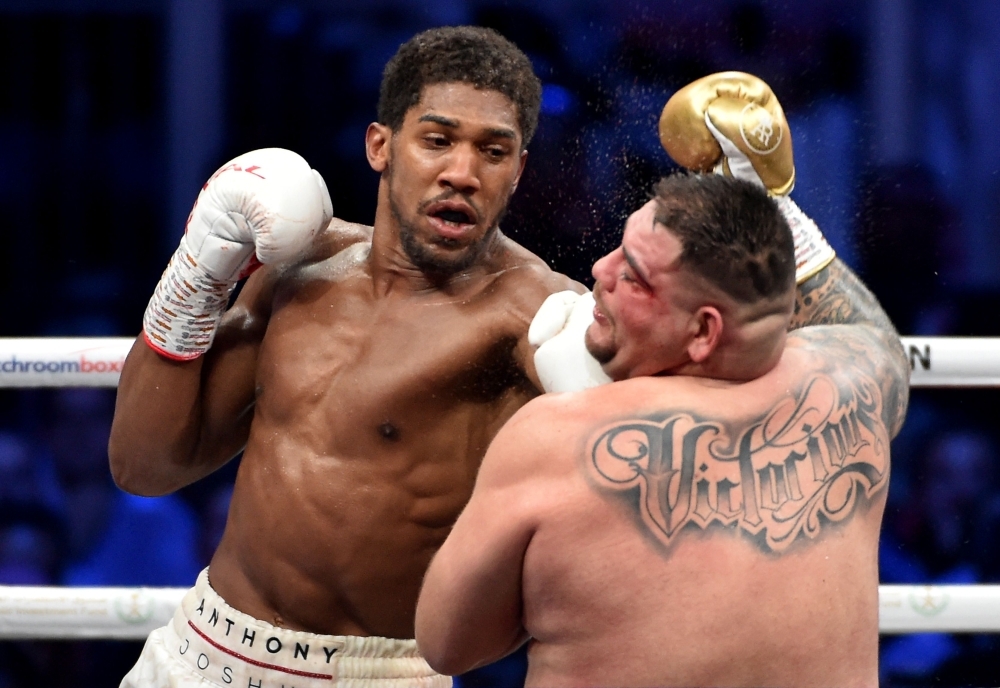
<point>452,220</point>
<point>454,217</point>
<point>598,311</point>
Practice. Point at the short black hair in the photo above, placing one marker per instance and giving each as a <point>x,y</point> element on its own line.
<point>467,54</point>
<point>732,234</point>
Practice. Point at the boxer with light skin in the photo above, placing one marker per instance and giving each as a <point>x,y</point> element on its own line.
<point>712,517</point>
<point>362,371</point>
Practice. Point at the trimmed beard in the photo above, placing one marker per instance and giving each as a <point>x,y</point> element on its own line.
<point>425,259</point>
<point>601,354</point>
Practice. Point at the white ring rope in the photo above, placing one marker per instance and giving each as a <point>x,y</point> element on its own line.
<point>35,613</point>
<point>131,613</point>
<point>51,613</point>
<point>62,361</point>
<point>97,361</point>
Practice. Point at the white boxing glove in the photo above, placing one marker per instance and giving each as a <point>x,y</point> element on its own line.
<point>263,207</point>
<point>562,360</point>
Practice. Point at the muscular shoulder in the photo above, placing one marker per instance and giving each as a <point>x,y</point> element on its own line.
<point>523,280</point>
<point>859,354</point>
<point>551,439</point>
<point>541,440</point>
<point>339,245</point>
<point>338,236</point>
<point>256,299</point>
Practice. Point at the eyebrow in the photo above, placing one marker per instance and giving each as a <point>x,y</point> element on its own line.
<point>632,264</point>
<point>496,132</point>
<point>439,119</point>
<point>502,133</point>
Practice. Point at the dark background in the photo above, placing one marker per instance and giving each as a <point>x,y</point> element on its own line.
<point>112,113</point>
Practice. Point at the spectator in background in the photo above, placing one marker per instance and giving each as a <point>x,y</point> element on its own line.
<point>31,540</point>
<point>31,514</point>
<point>954,500</point>
<point>32,537</point>
<point>113,538</point>
<point>945,533</point>
<point>27,475</point>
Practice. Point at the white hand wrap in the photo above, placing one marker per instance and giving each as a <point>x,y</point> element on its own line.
<point>263,207</point>
<point>185,309</point>
<point>812,251</point>
<point>562,361</point>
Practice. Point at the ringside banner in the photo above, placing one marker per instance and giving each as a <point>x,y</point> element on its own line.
<point>62,362</point>
<point>97,361</point>
<point>953,361</point>
<point>29,612</point>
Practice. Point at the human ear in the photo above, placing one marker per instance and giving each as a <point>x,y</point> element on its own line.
<point>708,323</point>
<point>520,170</point>
<point>377,146</point>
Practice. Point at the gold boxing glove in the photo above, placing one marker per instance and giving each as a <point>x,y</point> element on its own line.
<point>731,123</point>
<point>730,120</point>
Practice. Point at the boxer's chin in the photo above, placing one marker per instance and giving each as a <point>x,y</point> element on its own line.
<point>603,353</point>
<point>440,258</point>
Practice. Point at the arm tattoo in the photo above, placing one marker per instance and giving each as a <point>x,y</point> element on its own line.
<point>817,454</point>
<point>835,296</point>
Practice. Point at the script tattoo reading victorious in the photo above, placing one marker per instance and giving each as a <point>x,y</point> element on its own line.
<point>808,460</point>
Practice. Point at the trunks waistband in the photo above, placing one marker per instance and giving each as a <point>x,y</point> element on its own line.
<point>209,629</point>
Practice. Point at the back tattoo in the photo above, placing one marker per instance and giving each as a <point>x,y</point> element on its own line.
<point>810,460</point>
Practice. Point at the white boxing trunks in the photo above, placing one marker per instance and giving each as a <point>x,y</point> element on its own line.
<point>208,643</point>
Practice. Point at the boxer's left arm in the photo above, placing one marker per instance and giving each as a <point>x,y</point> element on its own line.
<point>836,296</point>
<point>470,610</point>
<point>551,351</point>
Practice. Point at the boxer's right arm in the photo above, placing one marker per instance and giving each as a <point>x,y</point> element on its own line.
<point>177,421</point>
<point>186,393</point>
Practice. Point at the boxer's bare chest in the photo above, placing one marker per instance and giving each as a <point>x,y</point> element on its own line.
<point>373,411</point>
<point>341,355</point>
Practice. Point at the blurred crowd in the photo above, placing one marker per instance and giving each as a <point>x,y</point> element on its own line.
<point>81,109</point>
<point>63,522</point>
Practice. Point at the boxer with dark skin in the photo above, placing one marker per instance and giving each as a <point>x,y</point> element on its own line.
<point>363,384</point>
<point>712,517</point>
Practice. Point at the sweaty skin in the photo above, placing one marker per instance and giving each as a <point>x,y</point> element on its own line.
<point>684,530</point>
<point>364,390</point>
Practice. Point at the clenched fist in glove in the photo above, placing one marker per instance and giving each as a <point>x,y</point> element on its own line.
<point>562,361</point>
<point>731,123</point>
<point>263,207</point>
